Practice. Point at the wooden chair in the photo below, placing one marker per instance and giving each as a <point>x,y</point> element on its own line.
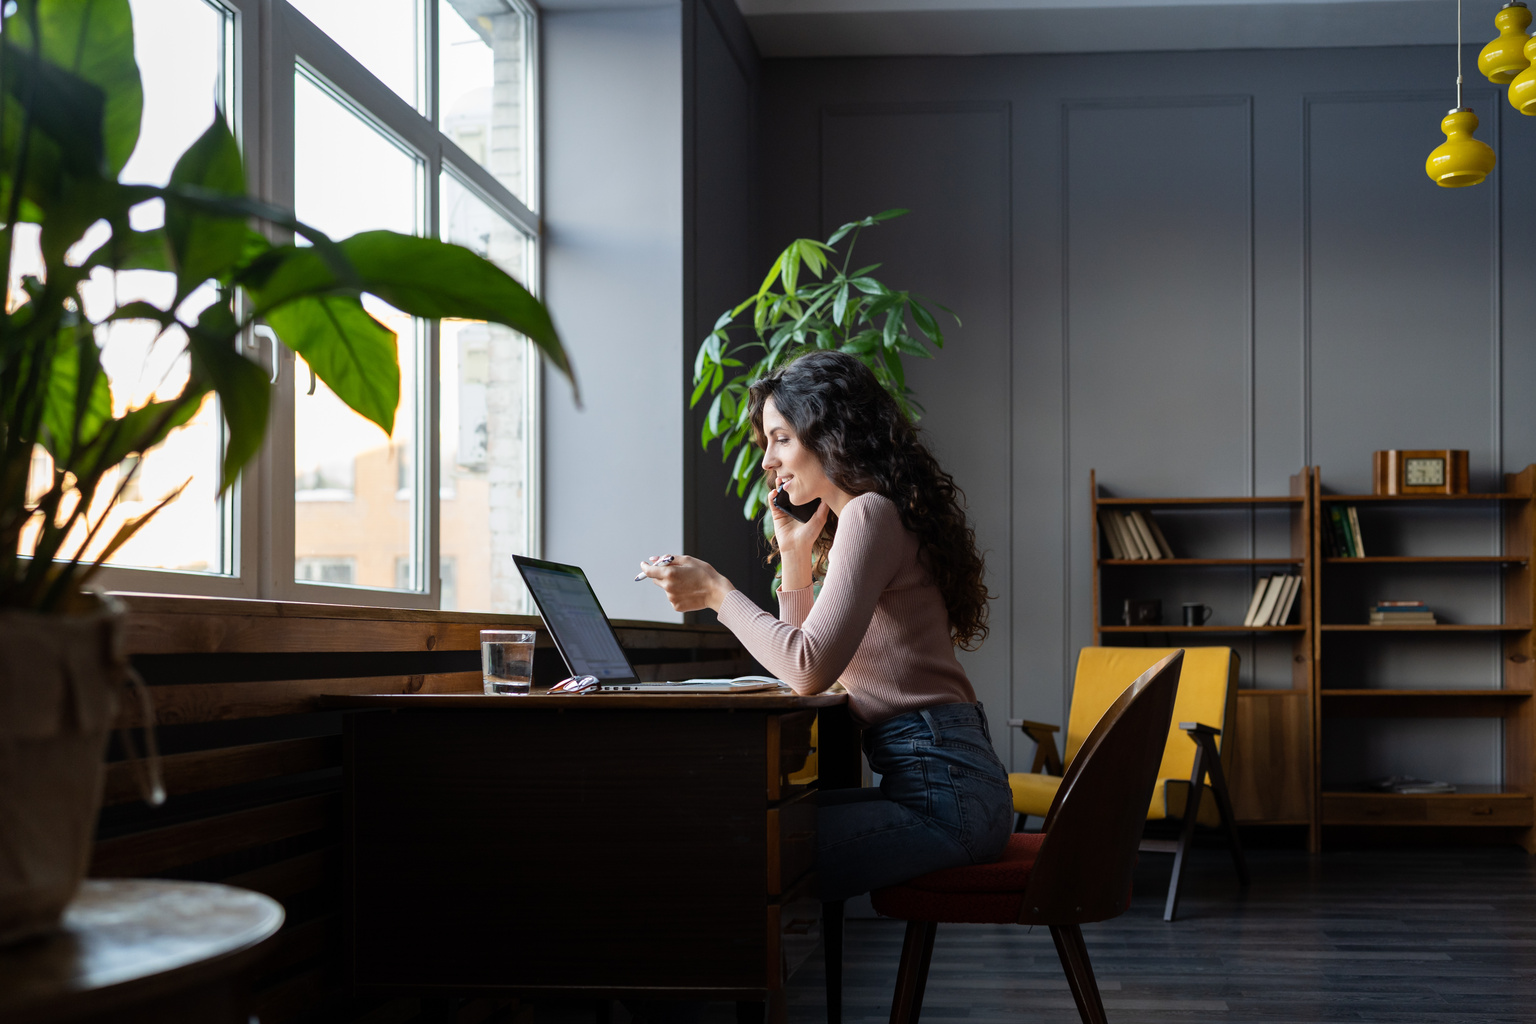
<point>1078,870</point>
<point>1198,751</point>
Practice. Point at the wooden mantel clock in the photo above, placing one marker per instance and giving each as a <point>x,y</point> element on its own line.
<point>1420,472</point>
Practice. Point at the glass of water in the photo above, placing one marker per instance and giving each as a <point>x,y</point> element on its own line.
<point>506,661</point>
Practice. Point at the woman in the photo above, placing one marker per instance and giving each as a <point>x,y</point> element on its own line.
<point>903,587</point>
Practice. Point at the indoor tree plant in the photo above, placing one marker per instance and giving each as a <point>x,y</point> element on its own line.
<point>70,106</point>
<point>850,311</point>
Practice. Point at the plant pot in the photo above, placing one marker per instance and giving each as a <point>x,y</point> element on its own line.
<point>60,677</point>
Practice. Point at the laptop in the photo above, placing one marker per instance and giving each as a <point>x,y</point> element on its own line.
<point>585,638</point>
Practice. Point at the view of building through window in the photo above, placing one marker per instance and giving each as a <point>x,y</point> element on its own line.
<point>483,96</point>
<point>486,397</point>
<point>357,507</point>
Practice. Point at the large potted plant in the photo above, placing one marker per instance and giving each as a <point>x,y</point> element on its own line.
<point>851,310</point>
<point>70,105</point>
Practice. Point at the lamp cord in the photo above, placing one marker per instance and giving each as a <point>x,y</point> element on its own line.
<point>1458,54</point>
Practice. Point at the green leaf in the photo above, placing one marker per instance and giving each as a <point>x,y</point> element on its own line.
<point>352,352</point>
<point>205,244</point>
<point>78,400</point>
<point>93,41</point>
<point>133,250</point>
<point>701,385</point>
<point>712,420</point>
<point>425,278</point>
<point>926,323</point>
<point>140,310</point>
<point>867,285</point>
<point>840,304</point>
<point>890,214</point>
<point>244,392</point>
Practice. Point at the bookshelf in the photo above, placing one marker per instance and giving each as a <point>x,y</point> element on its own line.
<point>1368,672</point>
<point>1222,545</point>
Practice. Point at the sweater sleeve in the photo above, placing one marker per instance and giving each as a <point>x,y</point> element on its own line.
<point>811,656</point>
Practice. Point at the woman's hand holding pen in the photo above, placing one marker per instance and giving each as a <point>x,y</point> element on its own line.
<point>797,541</point>
<point>690,583</point>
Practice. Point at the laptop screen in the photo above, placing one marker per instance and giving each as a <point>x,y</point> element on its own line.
<point>575,619</point>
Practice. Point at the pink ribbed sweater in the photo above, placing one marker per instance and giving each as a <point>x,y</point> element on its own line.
<point>879,625</point>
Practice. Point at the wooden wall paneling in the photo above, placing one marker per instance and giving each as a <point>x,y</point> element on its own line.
<point>158,850</point>
<point>202,770</point>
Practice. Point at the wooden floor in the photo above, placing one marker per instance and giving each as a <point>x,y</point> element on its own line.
<point>1410,937</point>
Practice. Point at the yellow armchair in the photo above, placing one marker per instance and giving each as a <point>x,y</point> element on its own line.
<point>1198,752</point>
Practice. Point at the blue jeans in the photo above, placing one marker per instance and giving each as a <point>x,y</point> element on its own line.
<point>943,801</point>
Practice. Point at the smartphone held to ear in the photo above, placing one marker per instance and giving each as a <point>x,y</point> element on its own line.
<point>802,513</point>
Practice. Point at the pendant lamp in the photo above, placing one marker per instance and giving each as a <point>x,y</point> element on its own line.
<point>1504,57</point>
<point>1460,160</point>
<point>1522,90</point>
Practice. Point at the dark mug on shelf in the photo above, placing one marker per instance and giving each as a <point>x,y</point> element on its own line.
<point>1196,614</point>
<point>1143,613</point>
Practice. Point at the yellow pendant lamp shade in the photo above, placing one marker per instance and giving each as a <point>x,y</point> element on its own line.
<point>1460,160</point>
<point>1504,57</point>
<point>1522,90</point>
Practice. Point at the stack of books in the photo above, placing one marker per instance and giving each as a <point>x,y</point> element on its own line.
<point>1133,535</point>
<point>1401,613</point>
<point>1407,784</point>
<point>1341,533</point>
<point>1273,600</point>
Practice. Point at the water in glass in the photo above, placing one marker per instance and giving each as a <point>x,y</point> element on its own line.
<point>506,661</point>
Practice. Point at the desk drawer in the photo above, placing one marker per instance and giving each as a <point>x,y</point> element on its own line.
<point>789,748</point>
<point>791,842</point>
<point>794,932</point>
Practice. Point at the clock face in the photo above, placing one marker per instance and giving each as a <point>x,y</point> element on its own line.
<point>1424,472</point>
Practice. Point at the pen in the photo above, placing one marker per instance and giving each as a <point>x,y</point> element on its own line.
<point>663,560</point>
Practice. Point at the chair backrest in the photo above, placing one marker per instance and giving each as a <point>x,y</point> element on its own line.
<point>1092,832</point>
<point>1207,694</point>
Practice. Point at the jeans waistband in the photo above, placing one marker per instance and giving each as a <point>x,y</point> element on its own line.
<point>930,721</point>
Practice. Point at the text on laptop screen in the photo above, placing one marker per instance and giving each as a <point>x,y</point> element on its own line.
<point>570,607</point>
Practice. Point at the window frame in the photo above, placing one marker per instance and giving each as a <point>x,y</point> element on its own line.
<point>269,42</point>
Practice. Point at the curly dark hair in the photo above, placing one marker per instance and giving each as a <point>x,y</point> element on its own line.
<point>843,416</point>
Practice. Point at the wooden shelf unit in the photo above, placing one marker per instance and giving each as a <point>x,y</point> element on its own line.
<point>1272,778</point>
<point>1508,805</point>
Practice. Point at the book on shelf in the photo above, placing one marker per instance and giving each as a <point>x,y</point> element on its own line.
<point>1354,532</point>
<point>1271,598</point>
<point>1341,536</point>
<point>1133,535</point>
<point>1408,784</point>
<point>1258,600</point>
<point>1287,601</point>
<point>1111,535</point>
<point>1403,613</point>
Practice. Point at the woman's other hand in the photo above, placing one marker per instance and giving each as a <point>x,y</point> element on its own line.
<point>690,583</point>
<point>797,542</point>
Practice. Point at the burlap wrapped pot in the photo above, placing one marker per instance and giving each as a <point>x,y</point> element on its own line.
<point>60,677</point>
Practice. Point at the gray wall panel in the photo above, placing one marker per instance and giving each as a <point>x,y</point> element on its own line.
<point>1402,296</point>
<point>957,184</point>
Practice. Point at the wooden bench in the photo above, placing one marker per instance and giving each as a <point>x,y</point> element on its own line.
<point>252,764</point>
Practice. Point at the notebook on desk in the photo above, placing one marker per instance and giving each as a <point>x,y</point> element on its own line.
<point>585,638</point>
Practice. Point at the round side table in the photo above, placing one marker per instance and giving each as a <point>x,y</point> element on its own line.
<point>133,950</point>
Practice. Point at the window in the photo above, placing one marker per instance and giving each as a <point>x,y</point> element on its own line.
<point>411,115</point>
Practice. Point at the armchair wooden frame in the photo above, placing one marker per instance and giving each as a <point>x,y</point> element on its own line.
<point>1207,770</point>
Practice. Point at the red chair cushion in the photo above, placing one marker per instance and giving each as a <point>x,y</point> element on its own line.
<point>974,894</point>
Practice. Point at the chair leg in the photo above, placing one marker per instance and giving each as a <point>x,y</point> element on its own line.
<point>1074,961</point>
<point>1187,833</point>
<point>1228,821</point>
<point>1019,822</point>
<point>912,977</point>
<point>832,952</point>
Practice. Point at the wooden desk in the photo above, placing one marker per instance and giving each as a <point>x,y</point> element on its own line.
<point>141,950</point>
<point>597,846</point>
